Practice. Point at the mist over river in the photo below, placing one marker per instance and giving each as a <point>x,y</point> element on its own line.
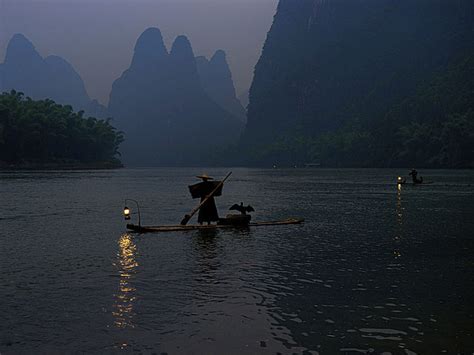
<point>373,269</point>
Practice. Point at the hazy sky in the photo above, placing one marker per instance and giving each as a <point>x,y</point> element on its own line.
<point>97,36</point>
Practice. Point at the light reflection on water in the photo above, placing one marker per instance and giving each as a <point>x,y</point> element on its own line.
<point>399,212</point>
<point>124,300</point>
<point>373,266</point>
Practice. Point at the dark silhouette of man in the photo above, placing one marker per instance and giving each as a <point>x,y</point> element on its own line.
<point>414,176</point>
<point>208,212</point>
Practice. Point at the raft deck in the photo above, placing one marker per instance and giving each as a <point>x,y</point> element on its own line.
<point>410,183</point>
<point>178,227</point>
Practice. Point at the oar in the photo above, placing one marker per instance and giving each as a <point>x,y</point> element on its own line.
<point>193,212</point>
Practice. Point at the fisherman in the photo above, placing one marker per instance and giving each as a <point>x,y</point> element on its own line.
<point>414,176</point>
<point>208,212</point>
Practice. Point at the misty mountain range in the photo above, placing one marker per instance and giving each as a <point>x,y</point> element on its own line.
<point>216,79</point>
<point>172,106</point>
<point>52,77</point>
<point>339,82</point>
<point>164,108</point>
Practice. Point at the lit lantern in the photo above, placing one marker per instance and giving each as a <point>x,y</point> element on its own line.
<point>126,213</point>
<point>400,180</point>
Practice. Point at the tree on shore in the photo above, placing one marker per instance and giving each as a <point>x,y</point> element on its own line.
<point>43,132</point>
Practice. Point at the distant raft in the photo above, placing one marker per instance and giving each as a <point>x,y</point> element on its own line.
<point>179,227</point>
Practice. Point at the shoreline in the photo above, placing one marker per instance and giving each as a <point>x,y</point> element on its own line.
<point>113,166</point>
<point>59,166</point>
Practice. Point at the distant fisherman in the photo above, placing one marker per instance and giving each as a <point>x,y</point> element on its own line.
<point>208,212</point>
<point>414,176</point>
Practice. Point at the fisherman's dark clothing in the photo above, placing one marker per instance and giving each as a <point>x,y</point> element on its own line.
<point>414,176</point>
<point>208,212</point>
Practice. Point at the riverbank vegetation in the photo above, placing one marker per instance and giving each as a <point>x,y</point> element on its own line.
<point>433,128</point>
<point>44,134</point>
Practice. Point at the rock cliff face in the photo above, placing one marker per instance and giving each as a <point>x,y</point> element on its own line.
<point>244,98</point>
<point>216,79</point>
<point>40,78</point>
<point>328,62</point>
<point>160,104</point>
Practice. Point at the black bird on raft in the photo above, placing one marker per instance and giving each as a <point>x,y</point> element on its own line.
<point>241,208</point>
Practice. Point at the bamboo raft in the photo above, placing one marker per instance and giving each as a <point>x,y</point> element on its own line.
<point>179,227</point>
<point>409,183</point>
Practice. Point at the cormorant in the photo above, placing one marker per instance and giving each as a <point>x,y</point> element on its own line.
<point>241,208</point>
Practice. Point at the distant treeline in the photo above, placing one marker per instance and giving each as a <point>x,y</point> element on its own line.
<point>43,133</point>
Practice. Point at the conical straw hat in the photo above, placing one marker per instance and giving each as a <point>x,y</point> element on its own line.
<point>205,177</point>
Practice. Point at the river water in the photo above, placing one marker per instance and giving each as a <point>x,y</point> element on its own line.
<point>374,269</point>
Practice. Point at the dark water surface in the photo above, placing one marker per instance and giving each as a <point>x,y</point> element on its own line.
<point>373,269</point>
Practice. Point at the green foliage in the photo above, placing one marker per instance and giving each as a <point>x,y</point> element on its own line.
<point>449,143</point>
<point>44,132</point>
<point>364,83</point>
<point>432,128</point>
